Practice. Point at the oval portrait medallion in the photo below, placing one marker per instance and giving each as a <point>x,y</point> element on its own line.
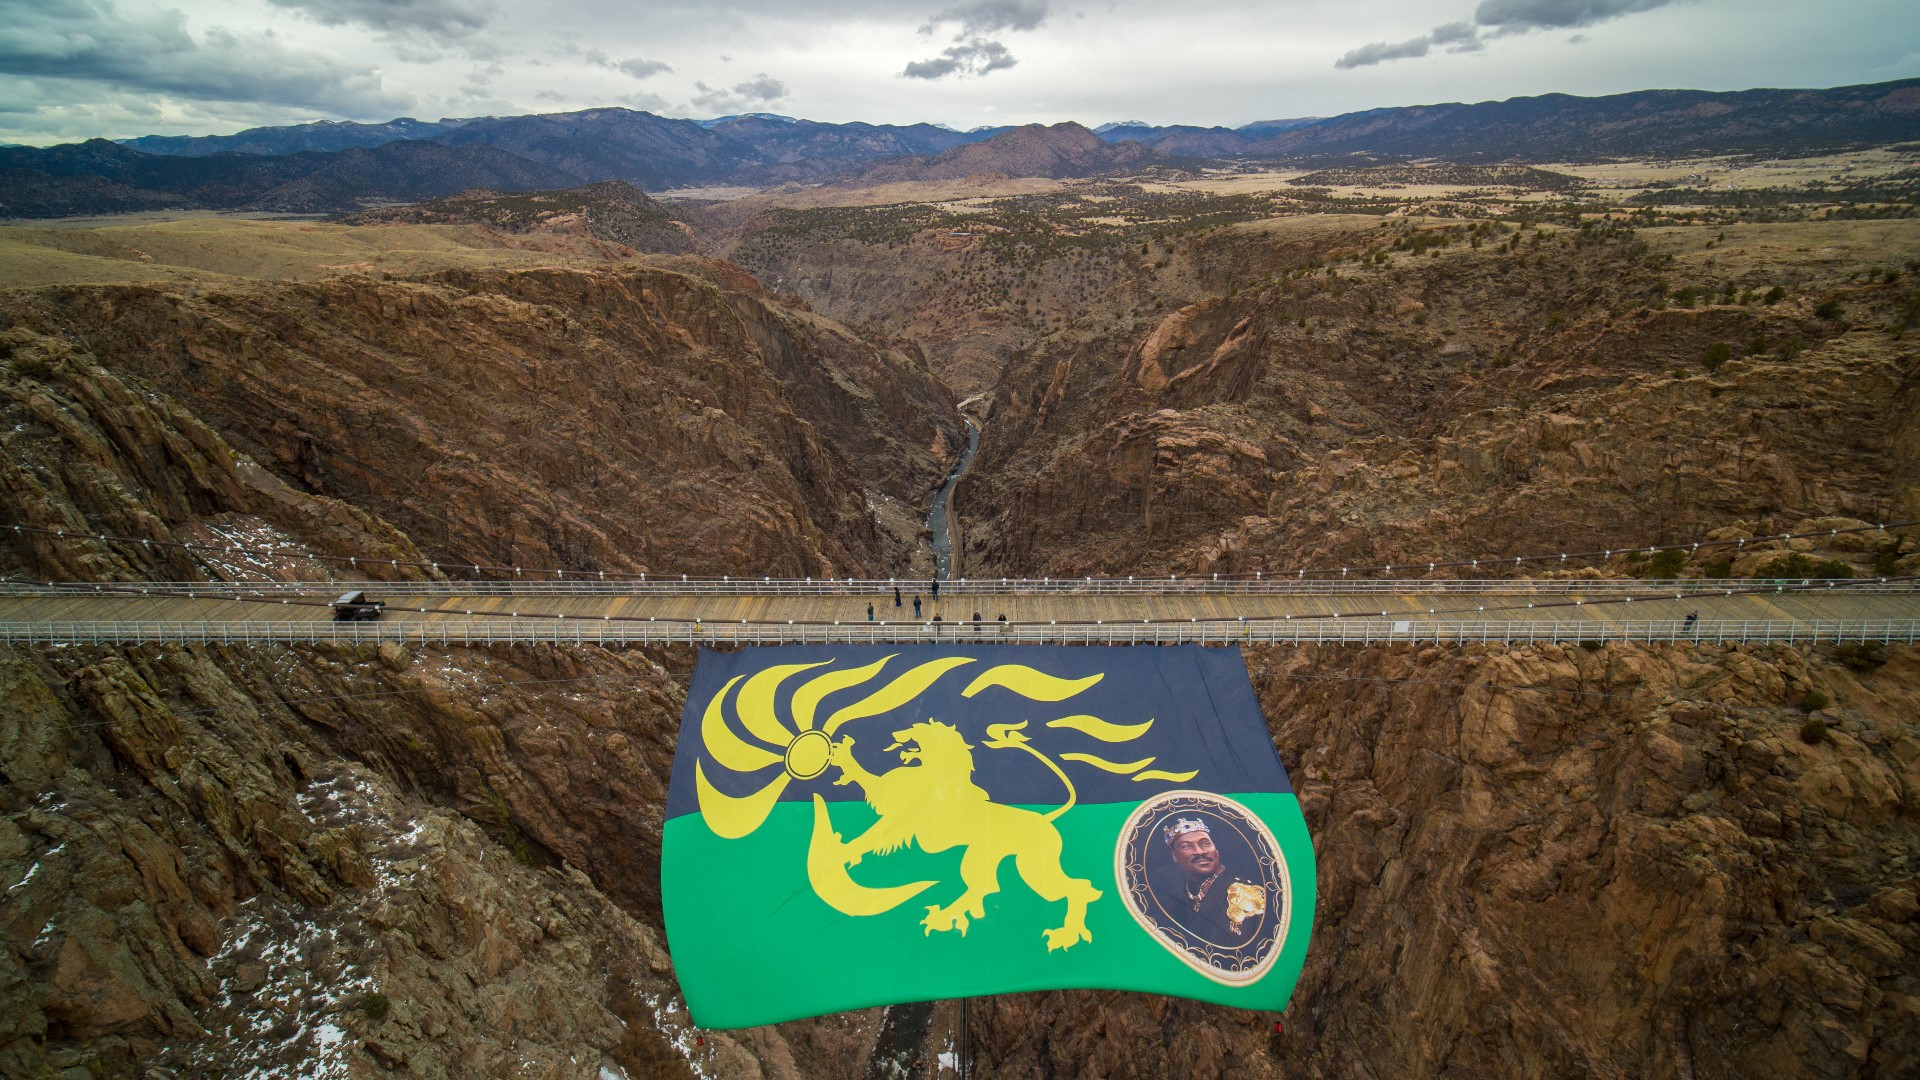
<point>1204,877</point>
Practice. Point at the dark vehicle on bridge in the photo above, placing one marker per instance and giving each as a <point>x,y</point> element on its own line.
<point>355,607</point>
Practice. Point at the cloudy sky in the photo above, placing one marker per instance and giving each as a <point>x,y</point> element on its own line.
<point>72,69</point>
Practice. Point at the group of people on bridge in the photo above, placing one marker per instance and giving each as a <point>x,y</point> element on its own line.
<point>933,586</point>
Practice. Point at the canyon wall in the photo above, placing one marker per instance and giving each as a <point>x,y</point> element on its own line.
<point>1549,861</point>
<point>1322,407</point>
<point>352,860</point>
<point>634,420</point>
<point>1533,861</point>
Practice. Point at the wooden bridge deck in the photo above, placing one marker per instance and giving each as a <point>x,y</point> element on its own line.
<point>452,615</point>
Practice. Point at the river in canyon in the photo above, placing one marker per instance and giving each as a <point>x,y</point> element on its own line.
<point>940,518</point>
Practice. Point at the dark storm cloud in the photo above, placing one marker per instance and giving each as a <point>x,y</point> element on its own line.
<point>1520,16</point>
<point>972,52</point>
<point>762,89</point>
<point>1455,37</point>
<point>991,17</point>
<point>1500,18</point>
<point>152,52</point>
<point>637,67</point>
<point>641,69</point>
<point>441,18</point>
<point>969,58</point>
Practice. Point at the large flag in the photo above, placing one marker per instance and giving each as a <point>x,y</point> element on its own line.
<point>858,825</point>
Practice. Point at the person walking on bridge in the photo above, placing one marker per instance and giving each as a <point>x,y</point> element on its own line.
<point>916,607</point>
<point>936,588</point>
<point>869,612</point>
<point>896,596</point>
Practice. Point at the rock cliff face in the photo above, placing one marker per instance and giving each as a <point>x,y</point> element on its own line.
<point>640,420</point>
<point>1537,862</point>
<point>1534,861</point>
<point>1555,862</point>
<point>201,883</point>
<point>1651,869</point>
<point>1314,412</point>
<point>337,861</point>
<point>347,862</point>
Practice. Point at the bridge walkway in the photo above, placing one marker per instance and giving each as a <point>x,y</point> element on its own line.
<point>455,614</point>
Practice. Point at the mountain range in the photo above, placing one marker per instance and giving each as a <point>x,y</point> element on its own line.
<point>98,176</point>
<point>332,166</point>
<point>1561,127</point>
<point>1061,150</point>
<point>322,135</point>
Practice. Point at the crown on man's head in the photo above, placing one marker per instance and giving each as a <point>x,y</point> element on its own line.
<point>1184,826</point>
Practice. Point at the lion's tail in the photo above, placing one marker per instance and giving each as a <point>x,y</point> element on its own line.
<point>1004,736</point>
<point>1072,796</point>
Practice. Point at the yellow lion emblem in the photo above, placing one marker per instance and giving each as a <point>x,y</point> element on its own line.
<point>931,800</point>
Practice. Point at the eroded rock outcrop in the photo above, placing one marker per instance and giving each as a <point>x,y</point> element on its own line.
<point>616,420</point>
<point>221,860</point>
<point>1475,403</point>
<point>1550,862</point>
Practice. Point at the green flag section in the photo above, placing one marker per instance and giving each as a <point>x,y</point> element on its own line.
<point>857,826</point>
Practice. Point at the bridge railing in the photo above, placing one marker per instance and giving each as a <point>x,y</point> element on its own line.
<point>883,587</point>
<point>1213,632</point>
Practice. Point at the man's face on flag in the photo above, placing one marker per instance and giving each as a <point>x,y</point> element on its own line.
<point>1194,852</point>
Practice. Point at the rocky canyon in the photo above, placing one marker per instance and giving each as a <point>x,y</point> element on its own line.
<point>1542,860</point>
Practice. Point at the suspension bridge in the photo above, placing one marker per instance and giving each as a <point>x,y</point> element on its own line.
<point>1053,610</point>
<point>1367,604</point>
